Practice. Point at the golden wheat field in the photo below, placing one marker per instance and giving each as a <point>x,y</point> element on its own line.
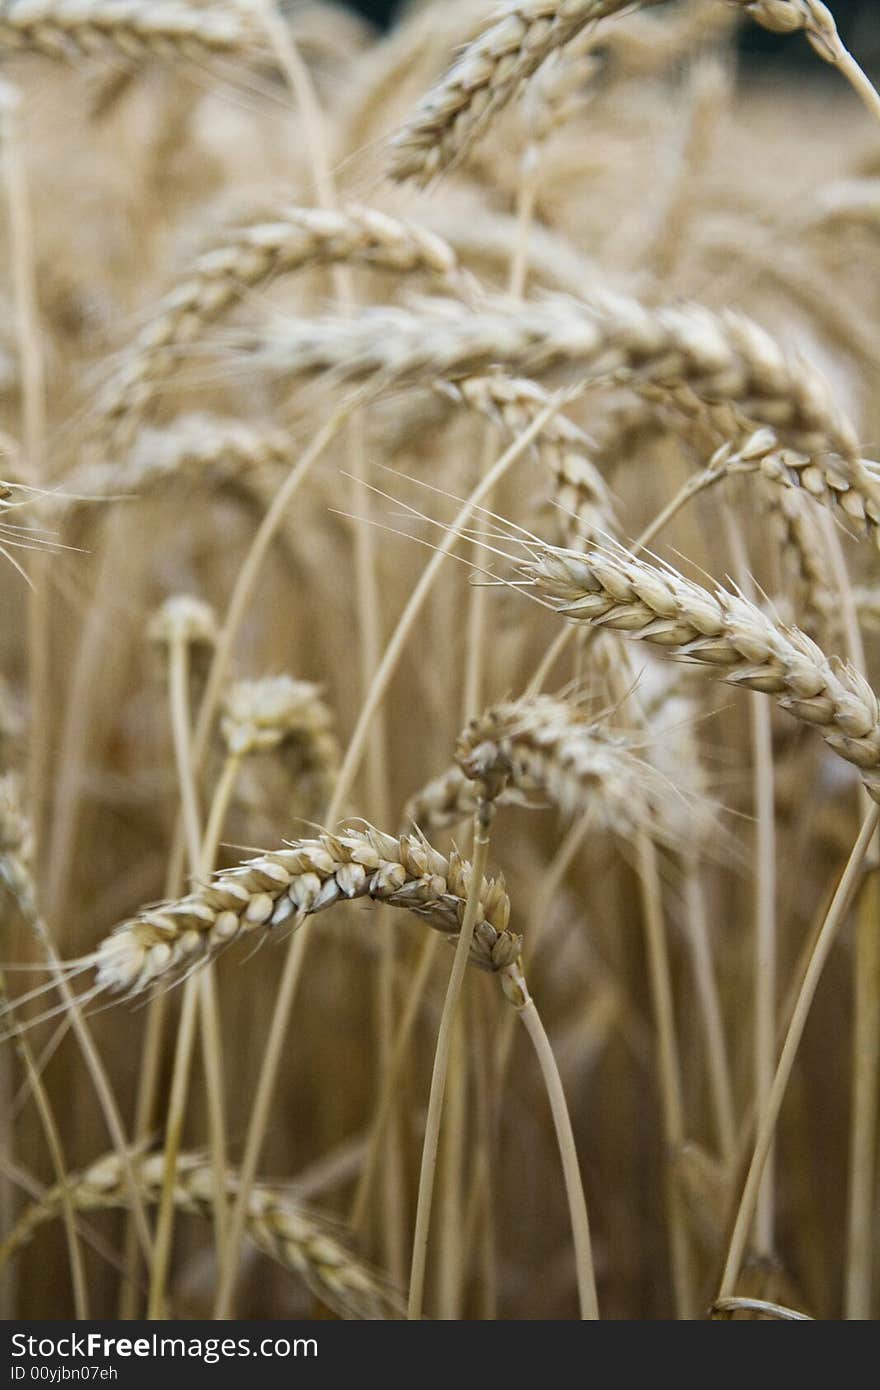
<point>439,628</point>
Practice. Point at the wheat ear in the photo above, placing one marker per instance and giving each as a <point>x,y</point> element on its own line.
<point>195,448</point>
<point>720,630</point>
<point>247,257</point>
<point>286,886</point>
<point>299,1239</point>
<point>585,506</point>
<point>485,78</point>
<point>71,29</point>
<point>722,358</point>
<point>545,747</point>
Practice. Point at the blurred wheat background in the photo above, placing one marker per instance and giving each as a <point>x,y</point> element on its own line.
<point>344,374</point>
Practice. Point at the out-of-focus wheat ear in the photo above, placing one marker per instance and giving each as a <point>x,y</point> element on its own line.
<point>16,870</point>
<point>289,717</point>
<point>261,715</point>
<point>246,257</point>
<point>301,1240</point>
<point>549,751</point>
<point>803,554</point>
<point>132,29</point>
<point>16,845</point>
<point>485,78</point>
<point>197,449</point>
<point>549,748</point>
<point>721,359</point>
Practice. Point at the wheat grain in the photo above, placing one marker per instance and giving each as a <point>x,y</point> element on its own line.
<point>485,78</point>
<point>298,1238</point>
<point>720,630</point>
<point>290,884</point>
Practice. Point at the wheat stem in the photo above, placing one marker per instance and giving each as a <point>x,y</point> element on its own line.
<point>764,908</point>
<point>768,1118</point>
<point>56,1154</point>
<point>390,1080</point>
<point>441,1064</point>
<point>33,408</point>
<point>516,990</point>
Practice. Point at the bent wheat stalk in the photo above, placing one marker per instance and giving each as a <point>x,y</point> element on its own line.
<point>816,21</point>
<point>517,993</point>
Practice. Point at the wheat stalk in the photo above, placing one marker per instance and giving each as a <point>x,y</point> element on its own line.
<point>293,883</point>
<point>70,29</point>
<point>485,78</point>
<point>721,630</point>
<point>298,1238</point>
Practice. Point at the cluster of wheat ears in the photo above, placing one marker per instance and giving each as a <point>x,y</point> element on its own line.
<point>398,435</point>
